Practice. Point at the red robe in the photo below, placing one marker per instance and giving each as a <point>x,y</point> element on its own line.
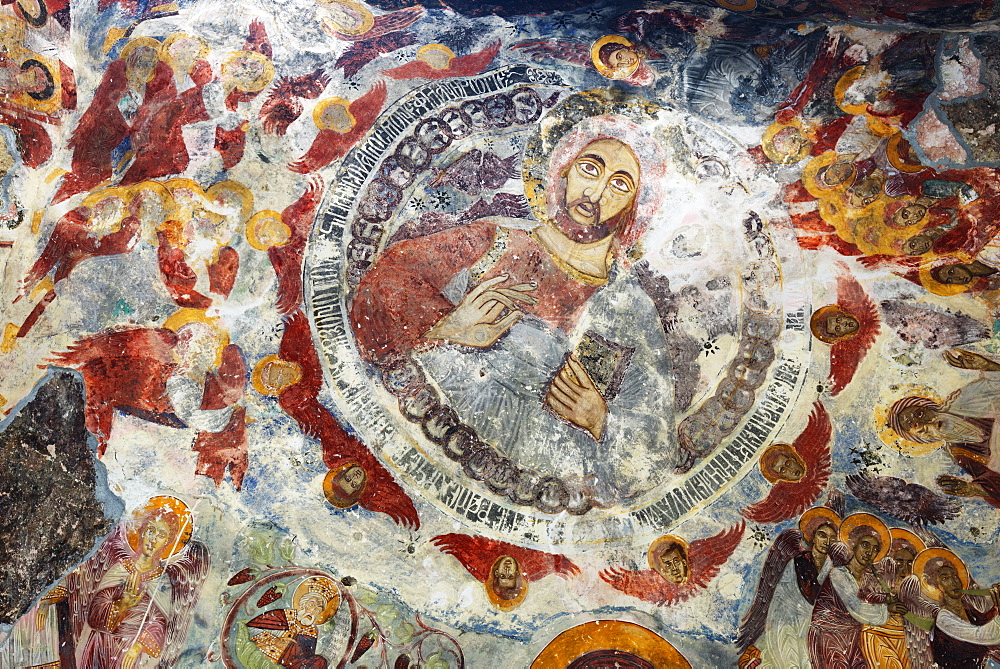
<point>180,279</point>
<point>301,654</point>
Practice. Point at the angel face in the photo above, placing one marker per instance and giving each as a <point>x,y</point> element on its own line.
<point>836,174</point>
<point>279,374</point>
<point>352,480</point>
<point>337,118</point>
<point>674,566</point>
<point>948,581</point>
<point>917,419</point>
<point>864,192</point>
<point>140,63</point>
<point>153,537</point>
<point>904,562</point>
<point>917,245</point>
<point>790,141</point>
<point>505,574</point>
<point>439,59</point>
<point>909,215</point>
<point>822,538</point>
<point>866,549</point>
<point>840,324</point>
<point>601,182</point>
<point>784,466</point>
<point>957,274</point>
<point>623,60</point>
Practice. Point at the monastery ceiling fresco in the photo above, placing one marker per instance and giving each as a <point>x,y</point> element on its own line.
<point>514,334</point>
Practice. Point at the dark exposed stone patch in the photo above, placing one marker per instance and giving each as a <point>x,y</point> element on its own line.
<point>52,492</point>
<point>977,120</point>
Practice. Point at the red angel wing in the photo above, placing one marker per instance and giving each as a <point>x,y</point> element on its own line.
<point>257,39</point>
<point>571,52</point>
<point>787,499</point>
<point>364,51</point>
<point>278,112</point>
<point>227,448</point>
<point>155,343</point>
<point>367,108</point>
<point>474,63</point>
<point>381,494</point>
<point>287,259</point>
<point>846,355</point>
<point>404,18</point>
<point>785,547</point>
<point>477,555</point>
<point>331,145</point>
<point>64,239</point>
<point>415,69</point>
<point>705,557</point>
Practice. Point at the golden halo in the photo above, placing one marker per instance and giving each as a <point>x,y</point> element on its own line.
<point>652,552</point>
<point>186,315</point>
<point>242,192</point>
<point>321,585</point>
<point>598,635</point>
<point>935,286</point>
<point>858,519</point>
<point>123,193</point>
<point>925,556</point>
<point>181,182</point>
<point>495,599</point>
<point>898,441</point>
<point>261,81</point>
<point>137,42</point>
<point>608,72</point>
<point>767,142</point>
<point>326,102</point>
<point>336,497</point>
<point>427,48</point>
<point>258,220</point>
<point>166,198</point>
<point>906,535</point>
<point>826,312</point>
<point>203,48</point>
<point>744,6</point>
<point>810,176</point>
<point>785,448</point>
<point>169,503</point>
<point>817,512</point>
<point>894,153</point>
<point>365,18</point>
<point>840,91</point>
<point>257,376</point>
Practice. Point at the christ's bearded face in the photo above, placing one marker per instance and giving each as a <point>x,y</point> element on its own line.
<point>601,184</point>
<point>940,426</point>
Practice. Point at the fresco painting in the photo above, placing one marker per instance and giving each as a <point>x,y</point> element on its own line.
<point>444,334</point>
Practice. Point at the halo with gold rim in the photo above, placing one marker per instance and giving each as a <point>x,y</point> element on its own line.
<point>325,586</point>
<point>874,522</point>
<point>243,193</point>
<point>495,599</point>
<point>186,315</point>
<point>787,448</point>
<point>257,84</point>
<point>258,220</point>
<point>893,151</point>
<point>427,48</point>
<point>611,73</point>
<point>620,635</point>
<point>651,553</point>
<point>365,18</point>
<point>906,535</point>
<point>897,441</point>
<point>137,42</point>
<point>326,102</point>
<point>847,79</point>
<point>203,48</point>
<point>185,527</point>
<point>744,6</point>
<point>334,498</point>
<point>817,512</point>
<point>825,312</point>
<point>257,376</point>
<point>935,286</point>
<point>767,142</point>
<point>925,556</point>
<point>810,176</point>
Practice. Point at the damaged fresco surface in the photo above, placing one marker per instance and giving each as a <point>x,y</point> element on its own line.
<point>522,334</point>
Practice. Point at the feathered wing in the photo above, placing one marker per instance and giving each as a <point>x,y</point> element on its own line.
<point>82,582</point>
<point>910,502</point>
<point>474,63</point>
<point>386,23</point>
<point>282,106</point>
<point>575,53</point>
<point>300,401</point>
<point>287,259</point>
<point>364,51</point>
<point>225,449</point>
<point>918,639</point>
<point>787,500</point>
<point>257,39</point>
<point>477,555</point>
<point>187,576</point>
<point>154,343</point>
<point>846,355</point>
<point>705,557</point>
<point>784,549</point>
<point>331,145</point>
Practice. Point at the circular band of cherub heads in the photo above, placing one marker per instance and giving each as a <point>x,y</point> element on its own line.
<point>668,556</point>
<point>780,462</point>
<point>272,374</point>
<point>343,485</point>
<point>506,586</point>
<point>903,421</point>
<point>161,528</point>
<point>266,229</point>
<point>832,323</point>
<point>787,142</point>
<point>614,57</point>
<point>320,593</point>
<point>858,526</point>
<point>928,565</point>
<point>583,119</point>
<point>347,17</point>
<point>815,518</point>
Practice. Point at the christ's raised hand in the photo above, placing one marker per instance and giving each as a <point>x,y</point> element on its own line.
<point>479,319</point>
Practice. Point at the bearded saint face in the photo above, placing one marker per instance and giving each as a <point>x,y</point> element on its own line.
<point>600,190</point>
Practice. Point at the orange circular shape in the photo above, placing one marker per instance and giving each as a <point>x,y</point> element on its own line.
<point>323,586</point>
<point>860,519</point>
<point>920,564</point>
<point>609,635</point>
<point>262,386</point>
<point>611,73</point>
<point>334,495</point>
<point>745,6</point>
<point>783,448</point>
<point>266,229</point>
<point>907,536</point>
<point>894,152</point>
<point>654,553</point>
<point>495,598</point>
<point>163,505</point>
<point>772,152</point>
<point>814,513</point>
<point>823,313</point>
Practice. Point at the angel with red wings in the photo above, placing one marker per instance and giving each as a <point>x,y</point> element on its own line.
<point>133,600</point>
<point>341,124</point>
<point>282,106</point>
<point>184,377</point>
<point>436,61</point>
<point>677,571</point>
<point>850,327</point>
<point>774,629</point>
<point>370,36</point>
<point>284,238</point>
<point>504,569</point>
<point>247,72</point>
<point>356,477</point>
<point>613,56</point>
<point>797,472</point>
